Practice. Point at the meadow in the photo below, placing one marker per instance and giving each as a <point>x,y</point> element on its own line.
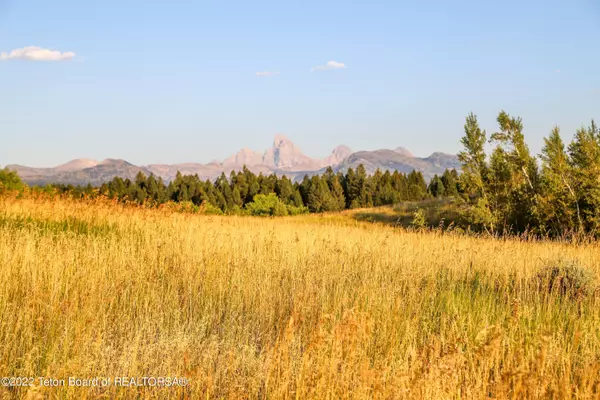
<point>321,306</point>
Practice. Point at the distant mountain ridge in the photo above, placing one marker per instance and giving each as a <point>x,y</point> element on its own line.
<point>282,158</point>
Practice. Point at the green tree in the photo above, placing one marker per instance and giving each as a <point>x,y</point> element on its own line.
<point>364,195</point>
<point>319,196</point>
<point>499,187</point>
<point>337,201</point>
<point>417,187</point>
<point>436,187</point>
<point>182,194</point>
<point>152,188</point>
<point>585,162</point>
<point>559,207</point>
<point>473,159</point>
<point>512,139</point>
<point>351,189</point>
<point>399,187</point>
<point>140,180</point>
<point>450,181</point>
<point>297,198</point>
<point>524,183</point>
<point>303,189</point>
<point>236,197</point>
<point>252,184</point>
<point>239,181</point>
<point>284,190</point>
<point>10,180</point>
<point>474,178</point>
<point>384,192</point>
<point>225,195</point>
<point>161,193</point>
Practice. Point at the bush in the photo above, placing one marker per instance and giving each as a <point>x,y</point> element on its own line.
<point>293,210</point>
<point>418,221</point>
<point>264,205</point>
<point>9,180</point>
<point>271,205</point>
<point>188,207</point>
<point>208,209</point>
<point>566,278</point>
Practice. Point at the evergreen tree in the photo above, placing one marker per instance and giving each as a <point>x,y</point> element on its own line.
<point>225,199</point>
<point>374,187</point>
<point>417,187</point>
<point>349,185</point>
<point>399,187</point>
<point>161,194</point>
<point>284,189</point>
<point>236,197</point>
<point>319,196</point>
<point>364,199</point>
<point>436,187</point>
<point>182,194</point>
<point>303,188</point>
<point>296,200</point>
<point>266,184</point>
<point>385,191</point>
<point>252,184</point>
<point>140,180</point>
<point>152,188</point>
<point>338,201</point>
<point>211,194</point>
<point>450,182</point>
<point>239,181</point>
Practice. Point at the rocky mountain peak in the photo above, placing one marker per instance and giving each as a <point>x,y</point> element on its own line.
<point>337,155</point>
<point>284,154</point>
<point>245,156</point>
<point>77,164</point>
<point>281,140</point>
<point>404,151</point>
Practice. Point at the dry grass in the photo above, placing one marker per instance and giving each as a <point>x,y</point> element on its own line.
<point>318,307</point>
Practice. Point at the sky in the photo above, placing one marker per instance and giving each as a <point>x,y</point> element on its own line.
<point>192,81</point>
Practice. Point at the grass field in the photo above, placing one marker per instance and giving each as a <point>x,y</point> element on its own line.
<point>320,307</point>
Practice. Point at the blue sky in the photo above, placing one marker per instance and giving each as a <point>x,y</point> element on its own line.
<point>176,81</point>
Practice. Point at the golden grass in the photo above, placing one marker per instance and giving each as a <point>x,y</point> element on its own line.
<point>319,307</point>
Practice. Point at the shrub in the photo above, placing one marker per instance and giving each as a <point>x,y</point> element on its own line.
<point>263,205</point>
<point>188,207</point>
<point>280,209</point>
<point>9,180</point>
<point>566,278</point>
<point>271,205</point>
<point>293,210</point>
<point>418,219</point>
<point>208,209</point>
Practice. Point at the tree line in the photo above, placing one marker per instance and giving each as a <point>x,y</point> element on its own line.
<point>244,191</point>
<point>512,191</point>
<point>506,191</point>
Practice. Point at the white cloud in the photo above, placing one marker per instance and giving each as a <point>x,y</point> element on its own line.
<point>35,53</point>
<point>330,65</point>
<point>267,73</point>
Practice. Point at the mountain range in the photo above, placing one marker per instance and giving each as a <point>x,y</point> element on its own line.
<point>282,158</point>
